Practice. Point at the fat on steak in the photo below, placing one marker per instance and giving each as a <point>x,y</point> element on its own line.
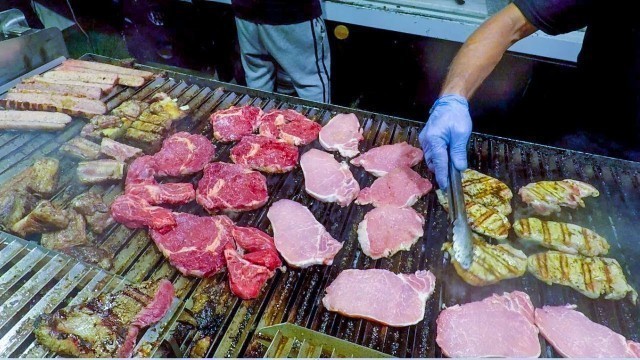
<point>342,134</point>
<point>401,187</point>
<point>265,154</point>
<point>259,248</point>
<point>386,230</point>
<point>328,180</point>
<point>231,187</point>
<point>135,212</point>
<point>380,295</point>
<point>299,237</point>
<point>157,194</point>
<point>183,154</point>
<point>290,126</point>
<point>382,159</point>
<point>235,122</point>
<point>546,197</point>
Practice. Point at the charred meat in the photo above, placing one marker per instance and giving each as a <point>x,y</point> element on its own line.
<point>569,238</point>
<point>73,234</point>
<point>44,176</point>
<point>98,171</point>
<point>546,197</point>
<point>95,211</point>
<point>81,149</point>
<point>15,205</point>
<point>90,254</point>
<point>45,217</point>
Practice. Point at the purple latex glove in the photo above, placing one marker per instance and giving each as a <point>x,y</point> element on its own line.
<point>448,127</point>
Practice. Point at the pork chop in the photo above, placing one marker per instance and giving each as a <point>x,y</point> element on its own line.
<point>328,180</point>
<point>386,230</point>
<point>265,154</point>
<point>546,197</point>
<point>380,295</point>
<point>231,187</point>
<point>183,154</point>
<point>290,126</point>
<point>401,187</point>
<point>135,212</point>
<point>169,193</point>
<point>342,134</point>
<point>382,159</point>
<point>235,122</point>
<point>498,326</point>
<point>299,237</point>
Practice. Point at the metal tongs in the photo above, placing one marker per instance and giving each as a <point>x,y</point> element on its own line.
<point>461,233</point>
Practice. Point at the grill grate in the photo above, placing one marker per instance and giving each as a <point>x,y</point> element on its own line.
<point>229,324</point>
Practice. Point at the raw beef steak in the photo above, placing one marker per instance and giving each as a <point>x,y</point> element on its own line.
<point>231,187</point>
<point>400,187</point>
<point>380,295</point>
<point>265,154</point>
<point>135,212</point>
<point>382,159</point>
<point>157,194</point>
<point>259,247</point>
<point>183,154</point>
<point>386,230</point>
<point>342,134</point>
<point>142,171</point>
<point>328,180</point>
<point>290,126</point>
<point>299,237</point>
<point>235,122</point>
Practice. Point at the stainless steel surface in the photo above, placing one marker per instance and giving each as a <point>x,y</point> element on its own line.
<point>13,23</point>
<point>461,233</point>
<point>39,70</point>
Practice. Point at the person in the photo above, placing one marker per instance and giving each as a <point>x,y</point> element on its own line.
<point>608,65</point>
<point>282,42</point>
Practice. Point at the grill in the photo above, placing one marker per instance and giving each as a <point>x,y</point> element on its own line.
<point>227,326</point>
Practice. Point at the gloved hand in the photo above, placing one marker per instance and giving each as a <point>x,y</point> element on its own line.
<point>448,128</point>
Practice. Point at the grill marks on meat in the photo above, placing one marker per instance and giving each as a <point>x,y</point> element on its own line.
<point>546,197</point>
<point>569,238</point>
<point>231,187</point>
<point>481,219</point>
<point>487,191</point>
<point>401,187</point>
<point>70,105</point>
<point>81,149</point>
<point>289,126</point>
<point>498,326</point>
<point>157,194</point>
<point>328,180</point>
<point>235,122</point>
<point>342,133</point>
<point>380,295</point>
<point>33,120</point>
<point>142,171</point>
<point>265,154</point>
<point>183,154</point>
<point>382,159</point>
<point>386,230</point>
<point>135,212</point>
<point>131,109</point>
<point>107,325</point>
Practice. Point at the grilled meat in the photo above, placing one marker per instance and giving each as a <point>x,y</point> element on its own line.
<point>105,88</point>
<point>73,234</point>
<point>119,151</point>
<point>485,190</point>
<point>591,276</point>
<point>95,211</point>
<point>107,325</point>
<point>142,136</point>
<point>90,254</point>
<point>126,80</point>
<point>569,238</point>
<point>130,109</point>
<point>546,197</point>
<point>15,205</point>
<point>45,217</point>
<point>482,219</point>
<point>120,70</point>
<point>90,92</point>
<point>109,126</point>
<point>98,171</point>
<point>44,176</point>
<point>148,127</point>
<point>104,78</point>
<point>33,120</point>
<point>70,105</point>
<point>491,263</point>
<point>81,149</point>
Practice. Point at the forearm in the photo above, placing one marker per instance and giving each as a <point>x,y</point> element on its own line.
<point>483,50</point>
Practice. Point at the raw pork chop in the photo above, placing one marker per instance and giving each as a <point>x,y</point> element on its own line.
<point>135,212</point>
<point>400,187</point>
<point>386,230</point>
<point>183,154</point>
<point>196,245</point>
<point>231,187</point>
<point>235,122</point>
<point>328,180</point>
<point>342,134</point>
<point>573,335</point>
<point>265,154</point>
<point>299,237</point>
<point>498,326</point>
<point>380,295</point>
<point>290,126</point>
<point>382,159</point>
<point>156,194</point>
<point>142,171</point>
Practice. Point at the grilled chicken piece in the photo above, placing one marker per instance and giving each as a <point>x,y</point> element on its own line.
<point>130,109</point>
<point>44,176</point>
<point>591,276</point>
<point>485,190</point>
<point>107,325</point>
<point>481,219</point>
<point>45,217</point>
<point>491,263</point>
<point>546,197</point>
<point>15,205</point>
<point>98,171</point>
<point>95,211</point>
<point>90,254</point>
<point>569,238</point>
<point>81,149</point>
<point>73,234</point>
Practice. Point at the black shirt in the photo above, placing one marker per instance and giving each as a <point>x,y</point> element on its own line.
<point>277,12</point>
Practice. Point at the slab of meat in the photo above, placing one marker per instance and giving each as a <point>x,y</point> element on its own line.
<point>119,151</point>
<point>108,68</point>
<point>342,133</point>
<point>386,230</point>
<point>380,295</point>
<point>123,79</point>
<point>74,233</point>
<point>231,187</point>
<point>196,245</point>
<point>95,211</point>
<point>52,102</point>
<point>43,179</point>
<point>183,154</point>
<point>401,187</point>
<point>546,197</point>
<point>81,149</point>
<point>574,335</point>
<point>569,238</point>
<point>299,237</point>
<point>98,171</point>
<point>135,212</point>
<point>15,205</point>
<point>33,120</point>
<point>235,122</point>
<point>131,109</point>
<point>142,171</point>
<point>259,248</point>
<point>44,217</point>
<point>382,159</point>
<point>328,180</point>
<point>90,92</point>
<point>107,325</point>
<point>265,154</point>
<point>498,326</point>
<point>105,88</point>
<point>289,126</point>
<point>169,193</point>
<point>103,78</point>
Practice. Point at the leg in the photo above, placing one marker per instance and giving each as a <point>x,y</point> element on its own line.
<point>258,65</point>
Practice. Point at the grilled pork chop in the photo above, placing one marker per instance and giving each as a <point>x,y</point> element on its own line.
<point>107,325</point>
<point>591,276</point>
<point>401,187</point>
<point>342,133</point>
<point>546,197</point>
<point>481,219</point>
<point>569,238</point>
<point>328,180</point>
<point>382,159</point>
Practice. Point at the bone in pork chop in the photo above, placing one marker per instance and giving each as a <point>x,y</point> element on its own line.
<point>135,212</point>
<point>546,197</point>
<point>328,180</point>
<point>231,187</point>
<point>386,230</point>
<point>401,187</point>
<point>299,237</point>
<point>183,154</point>
<point>380,295</point>
<point>342,133</point>
<point>290,126</point>
<point>235,122</point>
<point>265,154</point>
<point>498,326</point>
<point>169,193</point>
<point>382,159</point>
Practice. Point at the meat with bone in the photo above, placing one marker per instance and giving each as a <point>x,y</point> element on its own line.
<point>342,133</point>
<point>380,295</point>
<point>386,230</point>
<point>142,171</point>
<point>498,326</point>
<point>70,105</point>
<point>130,109</point>
<point>90,92</point>
<point>183,154</point>
<point>569,238</point>
<point>258,247</point>
<point>123,79</point>
<point>121,70</point>
<point>107,325</point>
<point>289,126</point>
<point>265,154</point>
<point>158,194</point>
<point>574,335</point>
<point>328,180</point>
<point>33,120</point>
<point>382,159</point>
<point>235,122</point>
<point>44,217</point>
<point>43,179</point>
<point>99,171</point>
<point>401,187</point>
<point>81,149</point>
<point>95,211</point>
<point>105,88</point>
<point>481,219</point>
<point>546,197</point>
<point>73,234</point>
<point>299,237</point>
<point>66,75</point>
<point>195,246</point>
<point>231,187</point>
<point>15,205</point>
<point>135,212</point>
<point>119,151</point>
